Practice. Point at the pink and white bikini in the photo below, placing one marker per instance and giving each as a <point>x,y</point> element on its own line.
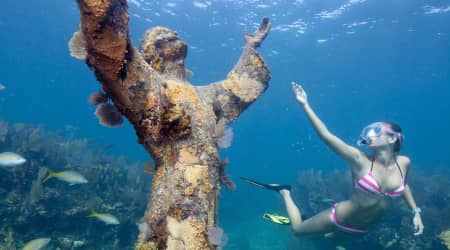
<point>368,185</point>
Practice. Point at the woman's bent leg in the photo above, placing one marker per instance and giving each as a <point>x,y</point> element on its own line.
<point>319,223</point>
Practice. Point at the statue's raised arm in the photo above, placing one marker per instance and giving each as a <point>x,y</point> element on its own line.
<point>246,81</point>
<point>127,79</point>
<point>104,25</point>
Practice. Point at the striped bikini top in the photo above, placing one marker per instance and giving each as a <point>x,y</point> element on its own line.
<point>369,185</point>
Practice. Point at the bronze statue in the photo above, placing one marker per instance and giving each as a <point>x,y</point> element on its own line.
<point>176,122</point>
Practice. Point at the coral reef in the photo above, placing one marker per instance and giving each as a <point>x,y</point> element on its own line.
<point>445,237</point>
<point>30,209</point>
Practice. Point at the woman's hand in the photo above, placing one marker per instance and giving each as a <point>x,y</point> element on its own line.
<point>299,93</point>
<point>418,225</point>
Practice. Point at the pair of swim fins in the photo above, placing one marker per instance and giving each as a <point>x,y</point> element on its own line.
<point>274,218</point>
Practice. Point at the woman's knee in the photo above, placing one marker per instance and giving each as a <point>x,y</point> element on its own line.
<point>299,229</point>
<point>319,223</point>
<point>296,230</point>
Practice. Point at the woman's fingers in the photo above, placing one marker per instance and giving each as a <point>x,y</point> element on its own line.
<point>297,87</point>
<point>418,229</point>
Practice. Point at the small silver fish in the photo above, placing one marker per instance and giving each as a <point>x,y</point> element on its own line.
<point>36,244</point>
<point>70,177</point>
<point>2,87</point>
<point>109,219</point>
<point>10,159</point>
<point>327,200</point>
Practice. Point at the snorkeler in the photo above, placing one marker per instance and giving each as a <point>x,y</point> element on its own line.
<point>377,178</point>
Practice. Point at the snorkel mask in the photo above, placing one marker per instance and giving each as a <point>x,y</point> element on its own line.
<point>375,130</point>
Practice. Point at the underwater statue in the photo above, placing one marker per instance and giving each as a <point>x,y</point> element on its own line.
<point>177,123</point>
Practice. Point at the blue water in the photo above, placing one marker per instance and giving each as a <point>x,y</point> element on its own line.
<point>359,61</point>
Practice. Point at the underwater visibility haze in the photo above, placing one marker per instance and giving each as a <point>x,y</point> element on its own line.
<point>68,182</point>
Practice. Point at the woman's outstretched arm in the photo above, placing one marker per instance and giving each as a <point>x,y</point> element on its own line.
<point>409,198</point>
<point>349,153</point>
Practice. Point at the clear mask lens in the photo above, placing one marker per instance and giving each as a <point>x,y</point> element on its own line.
<point>371,131</point>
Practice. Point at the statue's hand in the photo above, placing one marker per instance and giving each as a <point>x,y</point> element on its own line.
<point>255,39</point>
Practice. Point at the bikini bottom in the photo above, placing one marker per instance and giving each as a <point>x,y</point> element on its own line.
<point>344,227</point>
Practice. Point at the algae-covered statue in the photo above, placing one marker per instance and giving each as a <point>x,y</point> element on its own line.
<point>176,122</point>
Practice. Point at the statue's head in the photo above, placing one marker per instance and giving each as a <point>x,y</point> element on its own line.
<point>164,51</point>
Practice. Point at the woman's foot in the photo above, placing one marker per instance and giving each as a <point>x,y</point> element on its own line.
<point>285,192</point>
<point>278,187</point>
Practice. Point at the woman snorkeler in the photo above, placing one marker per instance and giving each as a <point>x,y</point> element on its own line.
<point>377,178</point>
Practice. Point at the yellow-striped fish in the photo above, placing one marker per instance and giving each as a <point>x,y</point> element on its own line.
<point>36,244</point>
<point>10,159</point>
<point>70,177</point>
<point>109,219</point>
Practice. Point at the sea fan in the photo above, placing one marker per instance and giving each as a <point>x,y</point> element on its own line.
<point>78,45</point>
<point>97,98</point>
<point>228,182</point>
<point>108,115</point>
<point>144,231</point>
<point>226,139</point>
<point>217,237</point>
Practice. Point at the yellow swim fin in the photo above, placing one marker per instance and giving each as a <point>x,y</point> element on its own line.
<point>278,219</point>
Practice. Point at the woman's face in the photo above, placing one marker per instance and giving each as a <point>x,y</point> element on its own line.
<point>382,140</point>
<point>377,134</point>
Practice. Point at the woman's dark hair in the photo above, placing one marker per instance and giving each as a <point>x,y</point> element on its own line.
<point>399,142</point>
